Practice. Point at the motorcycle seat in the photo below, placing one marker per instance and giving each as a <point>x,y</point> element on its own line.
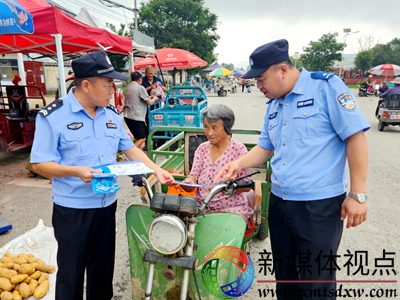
<point>170,203</point>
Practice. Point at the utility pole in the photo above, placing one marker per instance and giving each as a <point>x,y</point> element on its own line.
<point>296,56</point>
<point>135,10</point>
<point>347,32</point>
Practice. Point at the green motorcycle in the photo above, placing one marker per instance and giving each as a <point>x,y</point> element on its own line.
<point>177,252</point>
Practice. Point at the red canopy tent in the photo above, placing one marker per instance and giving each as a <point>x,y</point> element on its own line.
<point>76,36</point>
<point>56,33</point>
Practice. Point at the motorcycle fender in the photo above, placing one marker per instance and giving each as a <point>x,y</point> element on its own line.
<point>212,231</point>
<point>138,220</point>
<point>218,229</point>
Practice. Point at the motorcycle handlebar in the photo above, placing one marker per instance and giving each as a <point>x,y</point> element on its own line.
<point>229,187</point>
<point>244,184</point>
<point>141,180</point>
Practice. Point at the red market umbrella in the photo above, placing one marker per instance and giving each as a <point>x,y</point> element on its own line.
<point>386,70</point>
<point>169,59</point>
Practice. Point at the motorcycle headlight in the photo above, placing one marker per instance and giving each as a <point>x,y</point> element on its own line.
<point>167,234</point>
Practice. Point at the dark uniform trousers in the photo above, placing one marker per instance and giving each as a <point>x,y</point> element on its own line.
<point>86,242</point>
<point>305,237</point>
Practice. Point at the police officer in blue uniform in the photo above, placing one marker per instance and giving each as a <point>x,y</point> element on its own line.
<point>74,134</point>
<point>316,131</point>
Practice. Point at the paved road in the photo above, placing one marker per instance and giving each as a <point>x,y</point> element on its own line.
<point>24,206</point>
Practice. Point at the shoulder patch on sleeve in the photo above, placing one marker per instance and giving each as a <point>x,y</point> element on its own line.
<point>346,101</point>
<point>48,109</point>
<point>109,106</point>
<point>321,75</point>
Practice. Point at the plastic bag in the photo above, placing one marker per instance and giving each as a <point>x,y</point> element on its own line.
<point>104,183</point>
<point>158,92</point>
<point>176,189</point>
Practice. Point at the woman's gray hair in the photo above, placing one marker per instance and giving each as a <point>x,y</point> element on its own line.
<point>220,112</point>
<point>149,68</point>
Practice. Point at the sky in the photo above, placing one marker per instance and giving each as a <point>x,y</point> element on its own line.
<point>243,25</point>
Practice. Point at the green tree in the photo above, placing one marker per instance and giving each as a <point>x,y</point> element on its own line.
<point>184,24</point>
<point>387,53</point>
<point>364,60</point>
<point>119,61</point>
<point>321,55</point>
<point>228,66</point>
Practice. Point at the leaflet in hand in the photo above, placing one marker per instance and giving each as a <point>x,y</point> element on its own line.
<point>211,185</point>
<point>189,183</point>
<point>123,168</point>
<point>106,182</point>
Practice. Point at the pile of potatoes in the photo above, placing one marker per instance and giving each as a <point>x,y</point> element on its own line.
<point>22,276</point>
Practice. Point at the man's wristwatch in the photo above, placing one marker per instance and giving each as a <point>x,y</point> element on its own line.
<point>359,197</point>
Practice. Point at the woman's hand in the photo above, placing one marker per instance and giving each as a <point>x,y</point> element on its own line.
<point>186,187</point>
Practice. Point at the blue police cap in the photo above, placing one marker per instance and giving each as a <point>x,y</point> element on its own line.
<point>267,55</point>
<point>95,64</point>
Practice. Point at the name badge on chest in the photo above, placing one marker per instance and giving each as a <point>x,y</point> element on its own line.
<point>75,125</point>
<point>111,125</point>
<point>273,115</point>
<point>309,102</point>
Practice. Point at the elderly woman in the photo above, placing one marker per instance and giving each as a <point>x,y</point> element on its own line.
<point>212,155</point>
<point>150,81</point>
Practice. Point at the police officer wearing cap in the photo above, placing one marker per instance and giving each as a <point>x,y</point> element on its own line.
<point>316,131</point>
<point>74,134</point>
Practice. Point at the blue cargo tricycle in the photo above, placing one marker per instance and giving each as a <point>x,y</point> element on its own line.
<point>182,107</point>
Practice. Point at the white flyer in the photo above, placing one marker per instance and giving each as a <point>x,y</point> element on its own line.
<point>124,168</point>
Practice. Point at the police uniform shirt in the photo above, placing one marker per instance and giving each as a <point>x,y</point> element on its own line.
<point>69,136</point>
<point>307,130</point>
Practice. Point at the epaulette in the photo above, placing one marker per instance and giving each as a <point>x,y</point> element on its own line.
<point>48,109</point>
<point>321,75</point>
<point>109,106</point>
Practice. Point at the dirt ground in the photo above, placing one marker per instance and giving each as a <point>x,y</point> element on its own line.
<point>23,206</point>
